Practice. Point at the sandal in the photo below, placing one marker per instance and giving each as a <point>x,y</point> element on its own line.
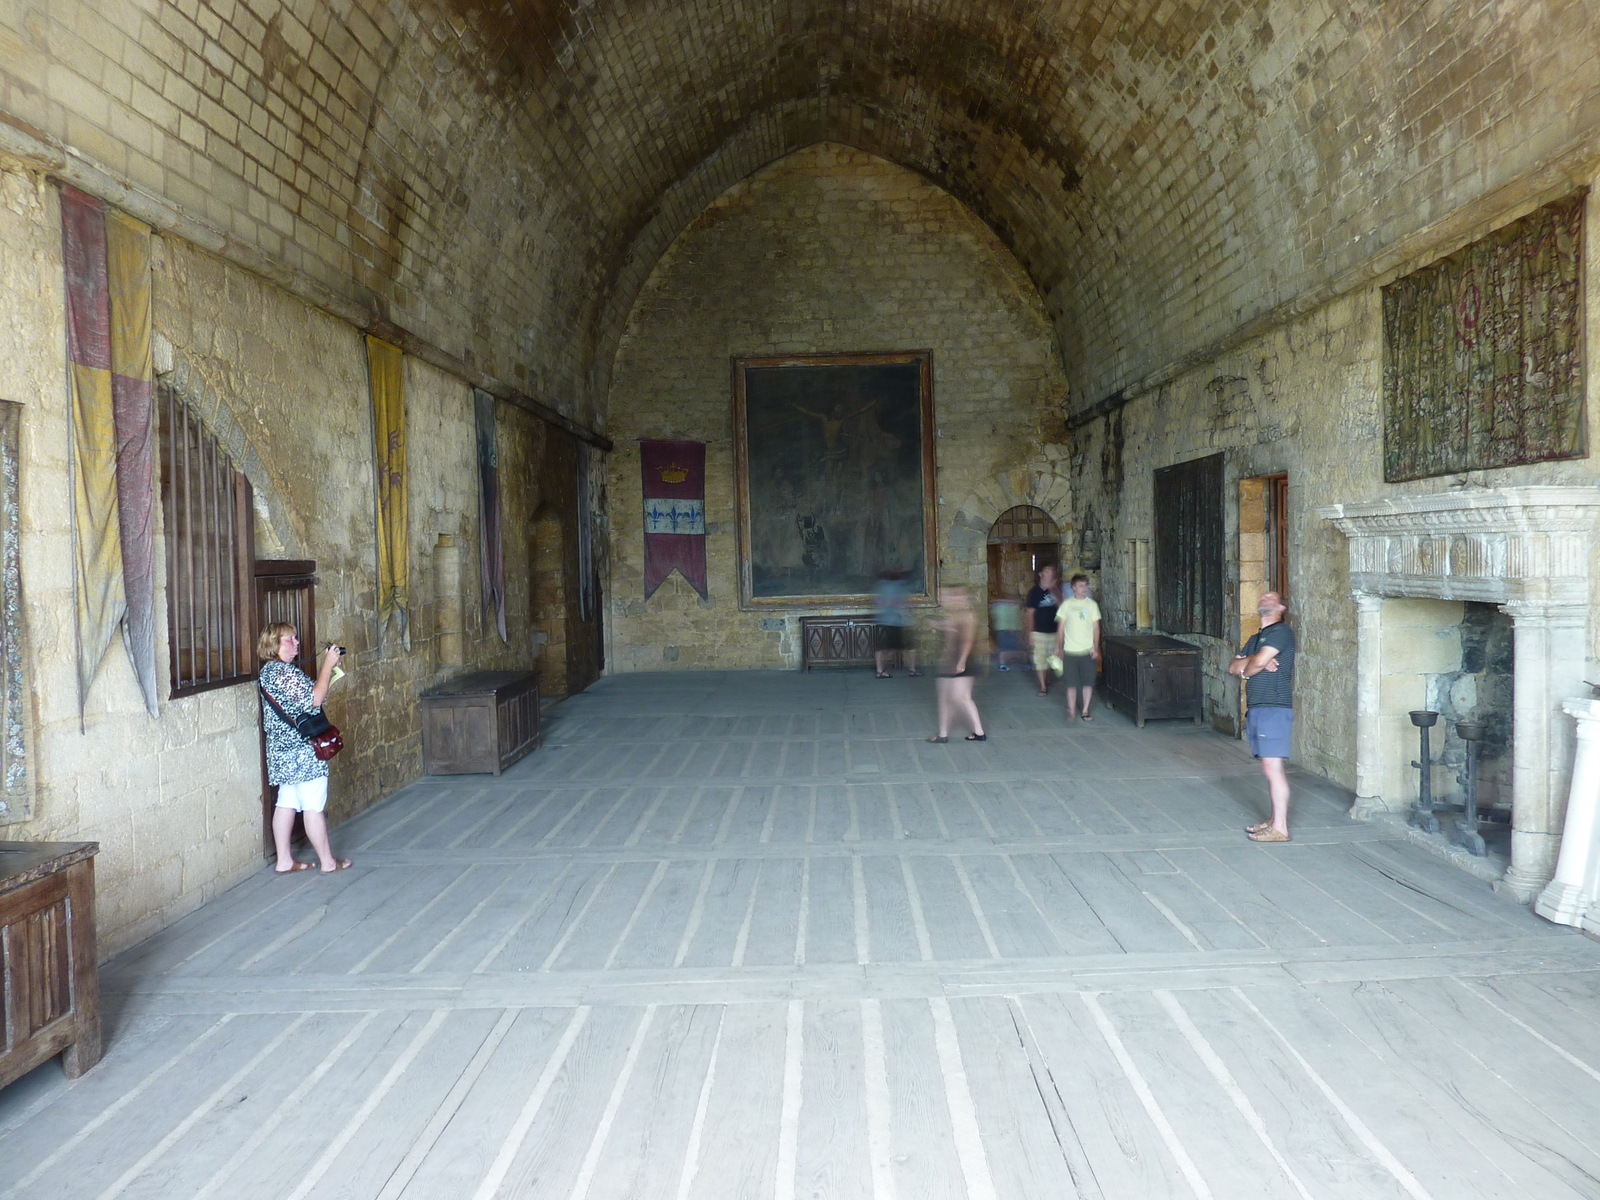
<point>881,675</point>
<point>298,866</point>
<point>343,865</point>
<point>1258,827</point>
<point>938,739</point>
<point>1269,834</point>
<point>1087,717</point>
<point>913,674</point>
<point>976,737</point>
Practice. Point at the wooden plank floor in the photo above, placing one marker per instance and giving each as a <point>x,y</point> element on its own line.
<point>748,935</point>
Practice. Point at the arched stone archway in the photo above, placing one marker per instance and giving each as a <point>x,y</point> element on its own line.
<point>1041,484</point>
<point>1022,540</point>
<point>775,266</point>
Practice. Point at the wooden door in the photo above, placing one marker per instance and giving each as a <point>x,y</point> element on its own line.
<point>1014,566</point>
<point>1278,534</point>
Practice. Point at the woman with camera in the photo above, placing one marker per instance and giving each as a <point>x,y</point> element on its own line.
<point>292,765</point>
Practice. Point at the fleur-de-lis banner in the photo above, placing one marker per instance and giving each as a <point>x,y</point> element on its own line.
<point>674,512</point>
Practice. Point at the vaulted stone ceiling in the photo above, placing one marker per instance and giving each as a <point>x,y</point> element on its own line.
<point>501,177</point>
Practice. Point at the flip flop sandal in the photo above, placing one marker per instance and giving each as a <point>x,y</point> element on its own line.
<point>1087,717</point>
<point>1270,834</point>
<point>299,866</point>
<point>344,865</point>
<point>881,675</point>
<point>938,739</point>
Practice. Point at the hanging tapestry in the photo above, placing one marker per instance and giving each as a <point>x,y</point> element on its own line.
<point>674,512</point>
<point>107,262</point>
<point>386,377</point>
<point>585,534</point>
<point>491,554</point>
<point>1483,352</point>
<point>16,791</point>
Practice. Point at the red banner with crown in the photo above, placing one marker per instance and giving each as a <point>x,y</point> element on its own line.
<point>674,476</point>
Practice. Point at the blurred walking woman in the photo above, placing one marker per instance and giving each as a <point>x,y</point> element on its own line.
<point>959,667</point>
<point>300,776</point>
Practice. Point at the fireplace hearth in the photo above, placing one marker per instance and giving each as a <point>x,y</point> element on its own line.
<point>1430,575</point>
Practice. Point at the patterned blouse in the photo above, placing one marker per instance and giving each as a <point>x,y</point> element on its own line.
<point>290,758</point>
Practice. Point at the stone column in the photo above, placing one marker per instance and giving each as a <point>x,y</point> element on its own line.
<point>1551,654</point>
<point>1369,687</point>
<point>1568,896</point>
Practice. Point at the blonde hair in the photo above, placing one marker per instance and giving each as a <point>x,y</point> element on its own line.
<point>267,644</point>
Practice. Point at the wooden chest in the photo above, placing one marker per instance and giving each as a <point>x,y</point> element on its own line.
<point>480,722</point>
<point>1148,675</point>
<point>847,641</point>
<point>49,972</point>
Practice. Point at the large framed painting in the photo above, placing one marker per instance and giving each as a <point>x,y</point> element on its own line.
<point>835,476</point>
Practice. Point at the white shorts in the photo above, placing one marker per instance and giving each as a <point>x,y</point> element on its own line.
<point>310,796</point>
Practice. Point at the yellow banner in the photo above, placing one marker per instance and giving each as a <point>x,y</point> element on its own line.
<point>98,537</point>
<point>386,374</point>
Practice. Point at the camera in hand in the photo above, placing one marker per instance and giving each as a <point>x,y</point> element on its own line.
<point>334,646</point>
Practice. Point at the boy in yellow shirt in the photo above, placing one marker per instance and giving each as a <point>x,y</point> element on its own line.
<point>1078,644</point>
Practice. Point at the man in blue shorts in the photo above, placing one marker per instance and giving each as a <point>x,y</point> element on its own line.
<point>1266,664</point>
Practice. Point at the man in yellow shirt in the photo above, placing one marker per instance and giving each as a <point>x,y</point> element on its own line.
<point>1078,644</point>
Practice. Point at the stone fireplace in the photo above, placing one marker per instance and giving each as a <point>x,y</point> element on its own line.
<point>1415,564</point>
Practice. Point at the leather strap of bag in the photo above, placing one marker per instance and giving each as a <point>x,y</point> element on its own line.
<point>277,708</point>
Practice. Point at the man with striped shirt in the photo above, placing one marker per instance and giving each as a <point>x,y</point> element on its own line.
<point>1266,664</point>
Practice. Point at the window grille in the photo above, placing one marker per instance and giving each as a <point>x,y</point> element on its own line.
<point>1189,548</point>
<point>209,519</point>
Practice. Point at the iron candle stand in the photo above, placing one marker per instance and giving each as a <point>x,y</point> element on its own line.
<point>1422,812</point>
<point>1468,832</point>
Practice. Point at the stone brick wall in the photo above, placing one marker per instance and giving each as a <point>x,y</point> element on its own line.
<point>175,801</point>
<point>1304,398</point>
<point>500,179</point>
<point>828,250</point>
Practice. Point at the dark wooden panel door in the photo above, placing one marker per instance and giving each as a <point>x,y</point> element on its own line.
<point>1190,591</point>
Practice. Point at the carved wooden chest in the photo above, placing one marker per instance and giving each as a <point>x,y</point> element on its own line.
<point>839,641</point>
<point>1148,675</point>
<point>479,722</point>
<point>49,971</point>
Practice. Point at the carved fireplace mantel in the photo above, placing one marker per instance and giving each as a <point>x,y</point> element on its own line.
<point>1526,549</point>
<point>1492,545</point>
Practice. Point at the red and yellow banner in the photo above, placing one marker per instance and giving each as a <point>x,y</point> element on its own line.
<point>107,265</point>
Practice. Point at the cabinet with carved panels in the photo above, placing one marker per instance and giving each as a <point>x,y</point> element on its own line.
<point>839,641</point>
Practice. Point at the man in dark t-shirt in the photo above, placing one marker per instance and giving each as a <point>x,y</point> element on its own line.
<point>1040,609</point>
<point>1266,664</point>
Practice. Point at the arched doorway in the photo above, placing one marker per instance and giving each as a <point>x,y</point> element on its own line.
<point>1021,541</point>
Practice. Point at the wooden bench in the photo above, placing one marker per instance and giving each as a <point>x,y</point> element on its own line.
<point>49,971</point>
